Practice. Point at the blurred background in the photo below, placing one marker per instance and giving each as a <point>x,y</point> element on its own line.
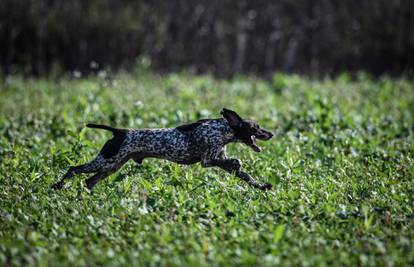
<point>319,37</point>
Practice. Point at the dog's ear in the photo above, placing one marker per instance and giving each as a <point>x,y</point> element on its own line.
<point>232,117</point>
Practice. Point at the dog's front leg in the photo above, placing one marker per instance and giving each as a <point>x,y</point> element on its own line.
<point>222,154</point>
<point>234,166</point>
<point>248,179</point>
<point>230,165</point>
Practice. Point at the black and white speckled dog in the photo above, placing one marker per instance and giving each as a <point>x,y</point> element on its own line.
<point>202,141</point>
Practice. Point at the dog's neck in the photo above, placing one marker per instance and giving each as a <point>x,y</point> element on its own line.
<point>229,132</point>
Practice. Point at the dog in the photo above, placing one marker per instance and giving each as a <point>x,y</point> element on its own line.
<point>202,141</point>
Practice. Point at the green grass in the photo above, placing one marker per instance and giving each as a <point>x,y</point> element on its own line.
<point>341,163</point>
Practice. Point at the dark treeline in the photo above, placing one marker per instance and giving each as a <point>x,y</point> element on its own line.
<point>222,37</point>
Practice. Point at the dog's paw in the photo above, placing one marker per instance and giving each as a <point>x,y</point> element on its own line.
<point>89,184</point>
<point>265,186</point>
<point>57,186</point>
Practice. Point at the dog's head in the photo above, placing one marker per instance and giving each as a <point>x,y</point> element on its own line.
<point>246,130</point>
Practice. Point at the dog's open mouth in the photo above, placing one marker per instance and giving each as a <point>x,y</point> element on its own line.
<point>253,144</point>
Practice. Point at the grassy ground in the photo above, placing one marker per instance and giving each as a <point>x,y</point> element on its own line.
<point>341,164</point>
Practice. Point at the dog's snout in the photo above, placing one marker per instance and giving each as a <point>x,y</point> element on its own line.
<point>265,135</point>
<point>269,135</point>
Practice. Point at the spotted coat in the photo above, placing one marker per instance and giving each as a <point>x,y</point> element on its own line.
<point>203,141</point>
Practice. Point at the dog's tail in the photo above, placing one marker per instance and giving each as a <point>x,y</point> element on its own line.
<point>115,131</point>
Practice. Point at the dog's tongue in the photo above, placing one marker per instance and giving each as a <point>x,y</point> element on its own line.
<point>253,144</point>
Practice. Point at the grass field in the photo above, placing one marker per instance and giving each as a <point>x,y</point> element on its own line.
<point>341,163</point>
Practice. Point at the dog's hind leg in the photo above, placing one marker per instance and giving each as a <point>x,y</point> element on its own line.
<point>91,181</point>
<point>105,172</point>
<point>92,166</point>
